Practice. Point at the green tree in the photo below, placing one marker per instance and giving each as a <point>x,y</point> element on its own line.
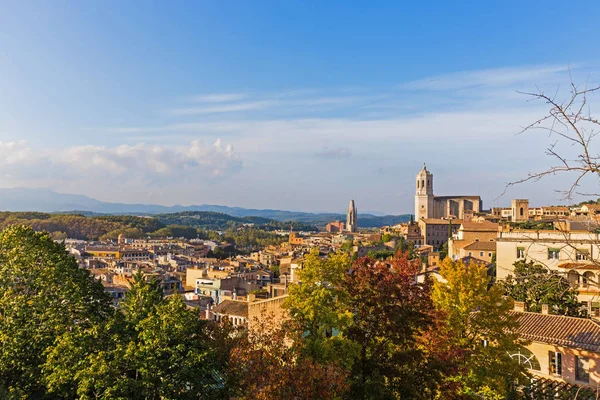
<point>536,285</point>
<point>444,251</point>
<point>43,294</point>
<point>348,246</point>
<point>386,237</point>
<point>481,326</point>
<point>157,349</point>
<point>171,354</point>
<point>143,296</point>
<point>318,305</point>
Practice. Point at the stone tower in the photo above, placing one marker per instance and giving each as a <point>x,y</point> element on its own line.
<point>351,218</point>
<point>424,194</point>
<point>520,210</point>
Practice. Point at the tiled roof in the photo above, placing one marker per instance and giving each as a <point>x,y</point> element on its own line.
<point>559,330</point>
<point>433,221</point>
<point>485,226</point>
<point>579,265</point>
<point>487,246</point>
<point>232,308</point>
<point>469,259</point>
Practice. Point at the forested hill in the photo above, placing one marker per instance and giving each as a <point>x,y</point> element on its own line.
<point>93,227</point>
<point>220,221</point>
<point>188,223</point>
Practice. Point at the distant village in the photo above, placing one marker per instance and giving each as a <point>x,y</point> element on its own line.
<point>247,288</point>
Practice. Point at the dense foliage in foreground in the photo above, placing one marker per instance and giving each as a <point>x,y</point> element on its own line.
<point>358,330</point>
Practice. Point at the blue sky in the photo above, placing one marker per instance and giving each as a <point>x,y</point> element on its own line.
<point>289,105</point>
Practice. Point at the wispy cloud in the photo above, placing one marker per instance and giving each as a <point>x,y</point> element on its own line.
<point>225,108</point>
<point>335,153</point>
<point>219,97</point>
<point>494,77</point>
<point>281,102</point>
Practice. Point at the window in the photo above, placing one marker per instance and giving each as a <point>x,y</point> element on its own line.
<point>526,358</point>
<point>521,211</point>
<point>553,254</point>
<point>582,369</point>
<point>588,278</point>
<point>581,255</point>
<point>520,252</point>
<point>470,254</point>
<point>555,363</point>
<point>481,254</point>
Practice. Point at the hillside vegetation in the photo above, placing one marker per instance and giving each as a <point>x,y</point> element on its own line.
<point>185,224</point>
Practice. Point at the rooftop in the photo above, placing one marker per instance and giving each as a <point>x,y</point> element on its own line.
<point>232,307</point>
<point>485,226</point>
<point>559,330</point>
<point>486,246</point>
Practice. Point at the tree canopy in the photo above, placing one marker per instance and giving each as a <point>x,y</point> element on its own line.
<point>536,285</point>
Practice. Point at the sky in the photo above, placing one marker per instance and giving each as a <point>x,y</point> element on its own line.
<point>296,105</point>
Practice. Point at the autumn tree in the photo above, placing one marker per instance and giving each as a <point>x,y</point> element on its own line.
<point>391,314</point>
<point>536,285</point>
<point>481,326</point>
<point>272,363</point>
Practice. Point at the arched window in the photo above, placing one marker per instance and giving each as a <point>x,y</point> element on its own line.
<point>573,277</point>
<point>589,278</point>
<point>422,184</point>
<point>521,211</point>
<point>526,358</point>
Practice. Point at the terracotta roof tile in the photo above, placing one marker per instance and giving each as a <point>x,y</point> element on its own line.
<point>485,226</point>
<point>231,307</point>
<point>487,246</point>
<point>559,330</point>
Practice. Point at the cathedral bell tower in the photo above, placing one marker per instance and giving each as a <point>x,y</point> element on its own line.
<point>351,218</point>
<point>424,194</point>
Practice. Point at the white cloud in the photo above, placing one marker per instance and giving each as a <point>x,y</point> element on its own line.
<point>14,152</point>
<point>119,166</point>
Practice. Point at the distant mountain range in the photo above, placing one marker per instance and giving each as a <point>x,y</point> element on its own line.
<point>46,200</point>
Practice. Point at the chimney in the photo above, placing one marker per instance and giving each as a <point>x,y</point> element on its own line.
<point>208,312</point>
<point>545,309</point>
<point>520,306</point>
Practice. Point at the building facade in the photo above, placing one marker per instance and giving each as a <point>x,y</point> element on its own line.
<point>573,254</point>
<point>429,206</point>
